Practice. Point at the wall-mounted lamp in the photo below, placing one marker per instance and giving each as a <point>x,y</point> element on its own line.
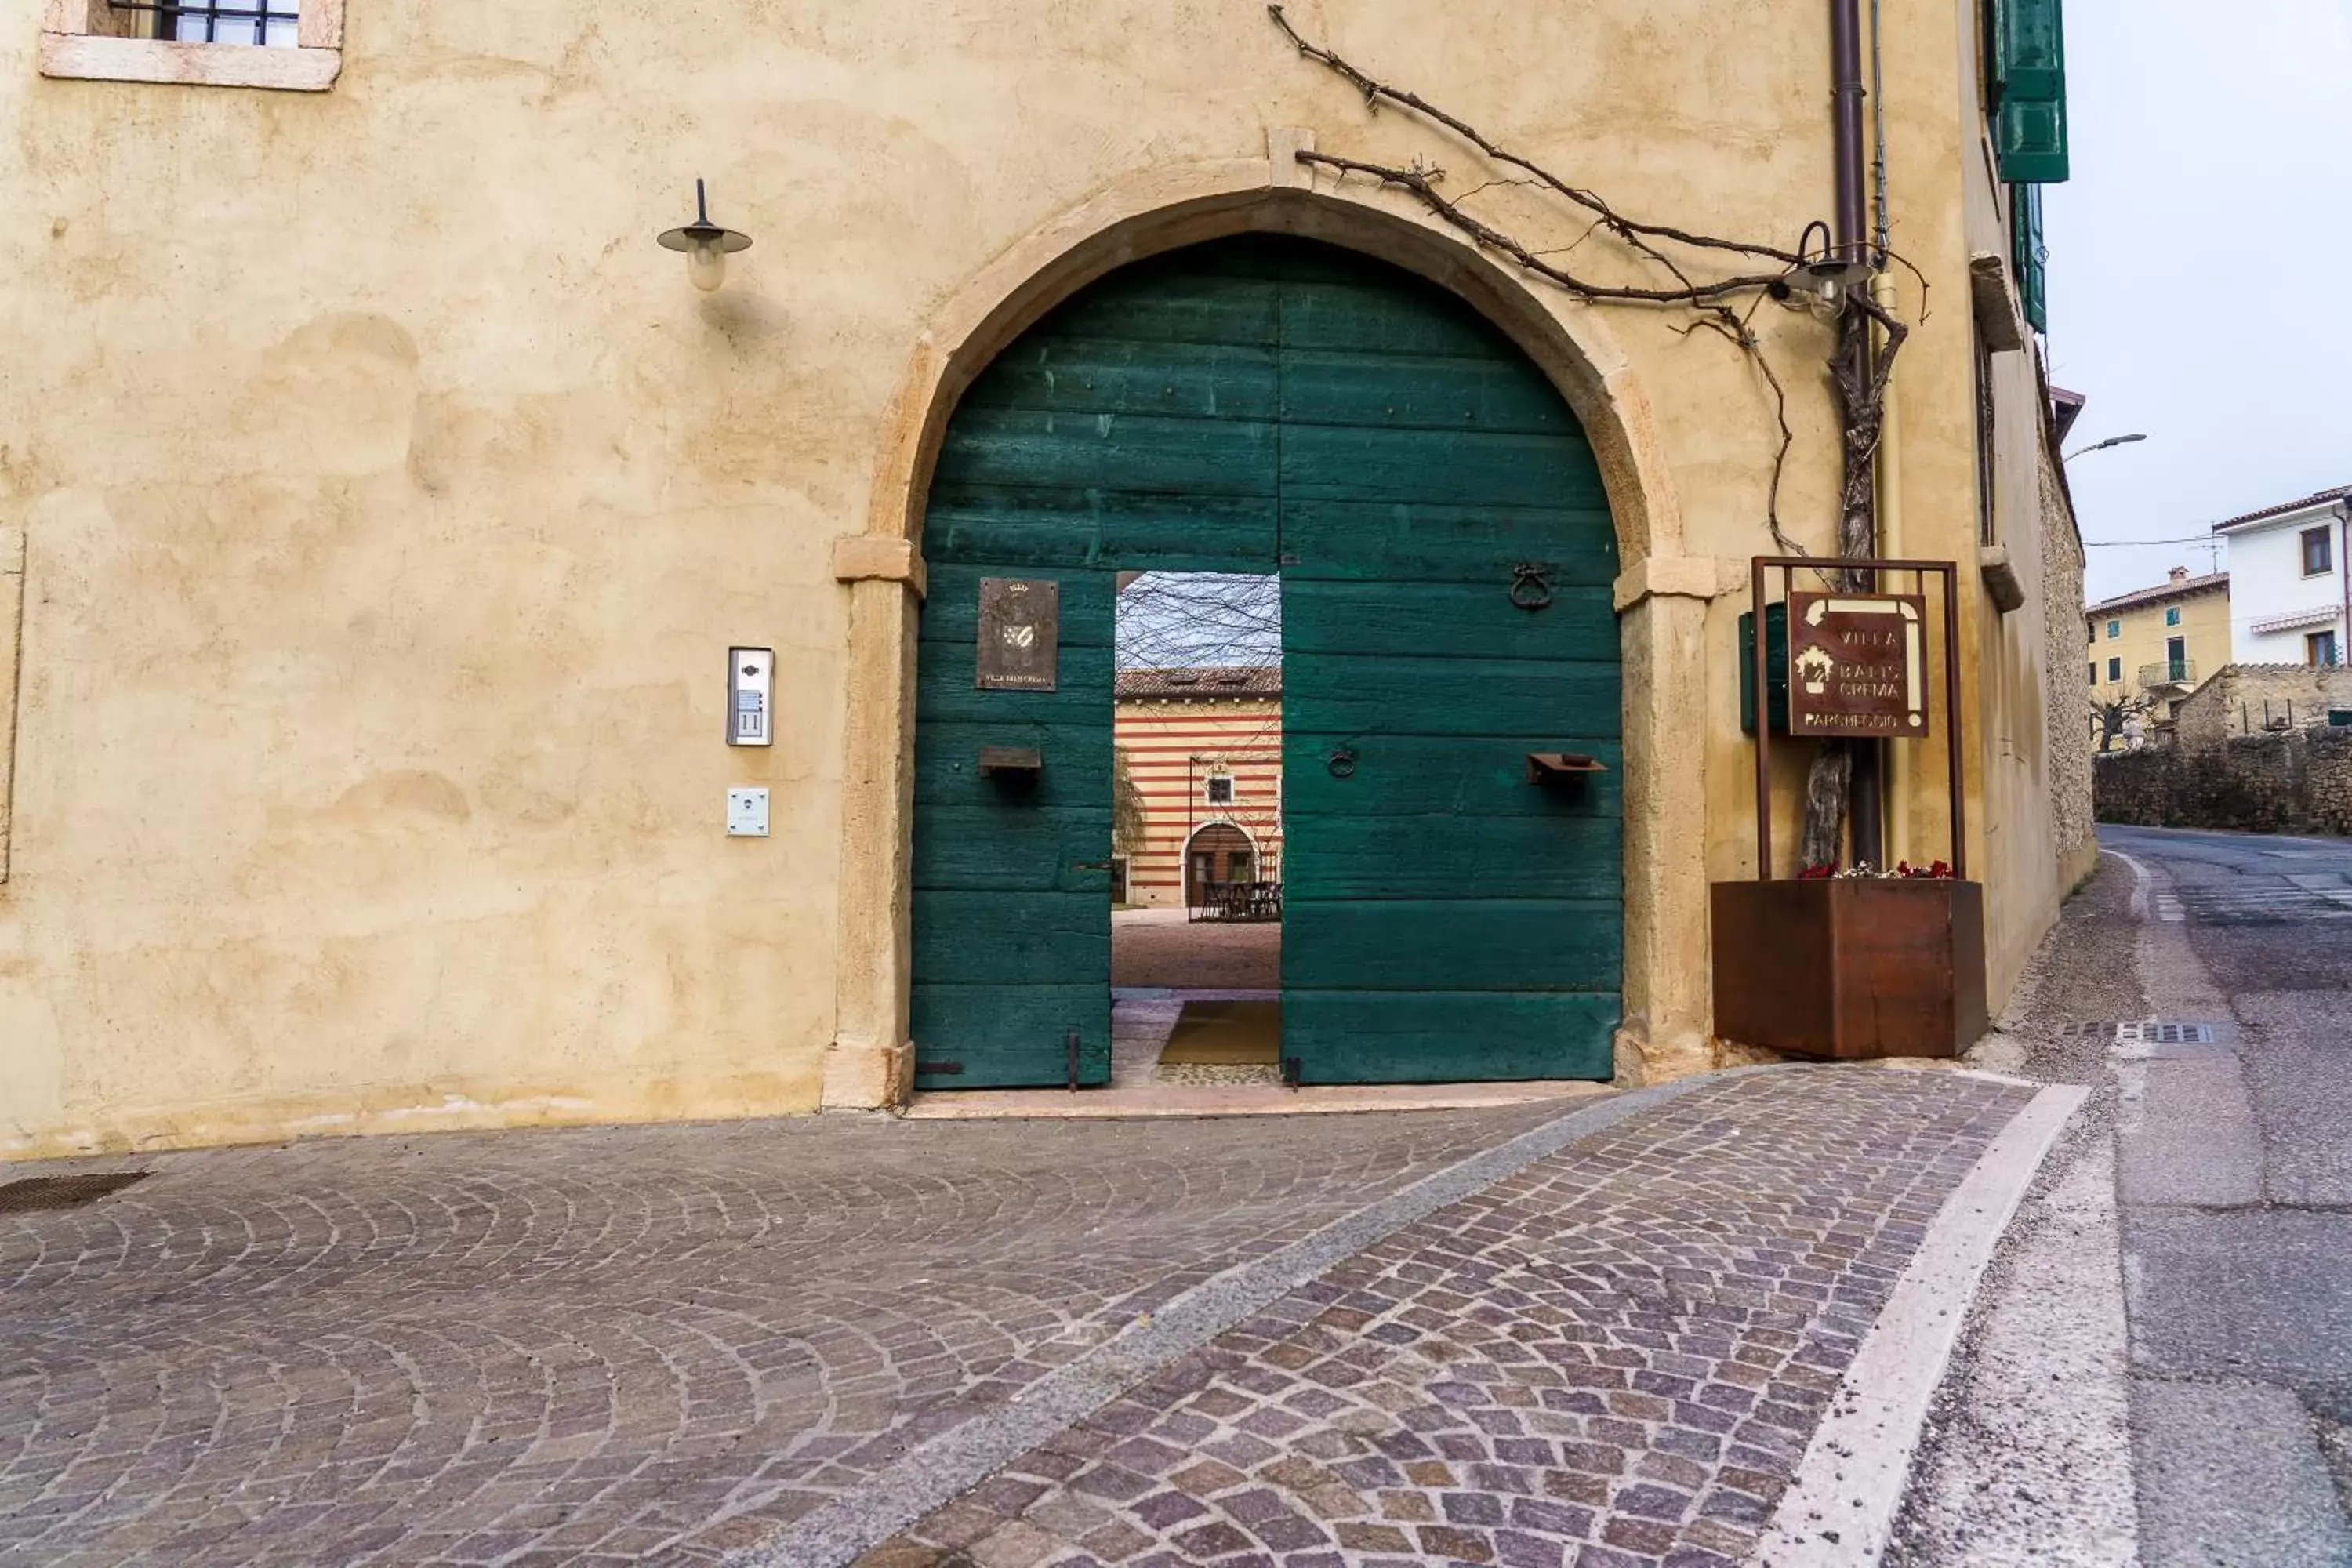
<point>1834,268</point>
<point>706,246</point>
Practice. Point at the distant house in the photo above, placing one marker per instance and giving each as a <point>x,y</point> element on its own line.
<point>1202,749</point>
<point>2157,644</point>
<point>2288,593</point>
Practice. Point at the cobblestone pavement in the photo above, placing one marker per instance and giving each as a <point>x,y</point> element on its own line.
<point>1613,1358</point>
<point>598,1344</point>
<point>666,1343</point>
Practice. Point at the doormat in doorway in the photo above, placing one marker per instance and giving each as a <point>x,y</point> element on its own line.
<point>1225,1034</point>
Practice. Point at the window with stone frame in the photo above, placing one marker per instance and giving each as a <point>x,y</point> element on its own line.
<point>1221,789</point>
<point>291,45</point>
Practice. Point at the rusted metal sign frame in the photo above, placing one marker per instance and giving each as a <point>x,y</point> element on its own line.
<point>1760,673</point>
<point>1909,612</point>
<point>1020,634</point>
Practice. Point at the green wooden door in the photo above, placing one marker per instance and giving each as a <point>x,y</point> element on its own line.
<point>1133,429</point>
<point>1444,919</point>
<point>1254,404</point>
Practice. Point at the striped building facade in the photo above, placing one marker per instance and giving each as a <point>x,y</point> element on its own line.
<point>1204,751</point>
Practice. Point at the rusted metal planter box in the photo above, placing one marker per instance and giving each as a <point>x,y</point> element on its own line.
<point>1850,969</point>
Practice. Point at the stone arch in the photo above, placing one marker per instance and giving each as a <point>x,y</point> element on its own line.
<point>1660,594</point>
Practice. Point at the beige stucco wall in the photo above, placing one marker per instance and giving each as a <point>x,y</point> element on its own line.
<point>390,501</point>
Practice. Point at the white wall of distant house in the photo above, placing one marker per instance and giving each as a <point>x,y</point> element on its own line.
<point>2267,582</point>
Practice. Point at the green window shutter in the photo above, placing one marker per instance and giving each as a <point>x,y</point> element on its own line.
<point>2028,255</point>
<point>2029,76</point>
<point>2032,42</point>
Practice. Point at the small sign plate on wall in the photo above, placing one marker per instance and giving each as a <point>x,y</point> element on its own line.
<point>1858,665</point>
<point>746,812</point>
<point>1020,634</point>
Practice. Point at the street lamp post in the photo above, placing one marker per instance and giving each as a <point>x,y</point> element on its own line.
<point>2103,446</point>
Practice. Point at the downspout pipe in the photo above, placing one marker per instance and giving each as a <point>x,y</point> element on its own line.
<point>1853,225</point>
<point>2343,575</point>
<point>1866,823</point>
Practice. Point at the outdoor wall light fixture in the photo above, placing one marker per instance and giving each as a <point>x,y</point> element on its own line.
<point>706,246</point>
<point>1833,269</point>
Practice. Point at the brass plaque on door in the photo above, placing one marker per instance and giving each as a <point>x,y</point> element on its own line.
<point>1020,634</point>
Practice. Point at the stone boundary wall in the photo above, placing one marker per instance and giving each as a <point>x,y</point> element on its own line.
<point>2297,782</point>
<point>2067,716</point>
<point>2233,702</point>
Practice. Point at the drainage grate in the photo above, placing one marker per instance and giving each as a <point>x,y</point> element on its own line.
<point>35,1194</point>
<point>2155,1034</point>
<point>2144,1032</point>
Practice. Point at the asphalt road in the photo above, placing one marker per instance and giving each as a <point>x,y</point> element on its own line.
<point>2234,1187</point>
<point>2159,1368</point>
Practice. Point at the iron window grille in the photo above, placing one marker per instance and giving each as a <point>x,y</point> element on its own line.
<point>276,23</point>
<point>1221,789</point>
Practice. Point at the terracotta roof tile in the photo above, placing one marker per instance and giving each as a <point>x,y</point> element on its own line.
<point>2318,497</point>
<point>2158,594</point>
<point>1214,680</point>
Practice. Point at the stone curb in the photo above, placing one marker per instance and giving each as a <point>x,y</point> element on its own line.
<point>1839,1512</point>
<point>936,1472</point>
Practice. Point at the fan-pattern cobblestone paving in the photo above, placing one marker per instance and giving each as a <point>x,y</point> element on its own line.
<point>598,1345</point>
<point>668,1343</point>
<point>1613,1358</point>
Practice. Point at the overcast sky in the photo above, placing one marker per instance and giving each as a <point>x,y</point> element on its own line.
<point>2199,262</point>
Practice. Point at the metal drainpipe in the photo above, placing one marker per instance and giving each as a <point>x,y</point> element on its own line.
<point>1866,823</point>
<point>1846,71</point>
<point>2342,542</point>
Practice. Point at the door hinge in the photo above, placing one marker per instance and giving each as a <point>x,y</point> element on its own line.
<point>1074,1061</point>
<point>947,1069</point>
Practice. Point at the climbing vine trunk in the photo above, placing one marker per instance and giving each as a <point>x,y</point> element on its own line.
<point>1861,387</point>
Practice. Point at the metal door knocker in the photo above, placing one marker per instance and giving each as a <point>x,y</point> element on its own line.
<point>1531,585</point>
<point>1343,762</point>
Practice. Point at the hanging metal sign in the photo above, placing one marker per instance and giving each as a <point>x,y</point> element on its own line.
<point>1020,634</point>
<point>1858,665</point>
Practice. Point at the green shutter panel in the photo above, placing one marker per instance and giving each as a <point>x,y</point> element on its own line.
<point>2029,133</point>
<point>2028,252</point>
<point>2032,49</point>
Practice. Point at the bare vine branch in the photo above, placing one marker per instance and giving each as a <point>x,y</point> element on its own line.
<point>1860,369</point>
<point>1633,232</point>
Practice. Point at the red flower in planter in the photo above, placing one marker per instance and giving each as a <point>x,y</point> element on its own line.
<point>1821,873</point>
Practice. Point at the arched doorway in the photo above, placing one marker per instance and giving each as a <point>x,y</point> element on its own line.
<point>1274,405</point>
<point>1216,852</point>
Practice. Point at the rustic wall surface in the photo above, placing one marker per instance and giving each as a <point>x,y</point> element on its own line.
<point>2298,781</point>
<point>2068,717</point>
<point>2247,699</point>
<point>389,501</point>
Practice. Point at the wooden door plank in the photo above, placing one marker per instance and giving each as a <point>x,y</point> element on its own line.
<point>1013,848</point>
<point>1435,541</point>
<point>1450,857</point>
<point>1088,375</point>
<point>1411,775</point>
<point>1374,695</point>
<point>1454,944</point>
<point>1455,620</point>
<point>1009,1037</point>
<point>1449,1036</point>
<point>1131,452</point>
<point>1424,392</point>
